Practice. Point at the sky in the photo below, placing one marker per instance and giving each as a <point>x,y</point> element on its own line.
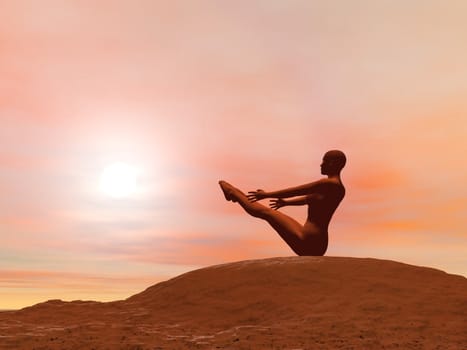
<point>252,92</point>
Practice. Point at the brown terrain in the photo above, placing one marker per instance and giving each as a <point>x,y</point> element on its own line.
<point>279,303</point>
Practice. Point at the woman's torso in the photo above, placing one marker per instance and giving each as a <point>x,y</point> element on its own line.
<point>321,207</point>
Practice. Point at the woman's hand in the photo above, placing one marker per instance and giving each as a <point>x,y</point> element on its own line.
<point>277,203</point>
<point>257,195</point>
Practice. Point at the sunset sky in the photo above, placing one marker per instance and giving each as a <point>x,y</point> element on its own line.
<point>252,92</point>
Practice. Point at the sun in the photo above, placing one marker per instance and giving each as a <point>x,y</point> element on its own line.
<point>118,180</point>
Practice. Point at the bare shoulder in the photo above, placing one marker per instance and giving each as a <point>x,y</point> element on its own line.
<point>327,185</point>
<point>326,182</point>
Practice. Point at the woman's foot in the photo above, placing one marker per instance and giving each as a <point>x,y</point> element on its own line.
<point>227,189</point>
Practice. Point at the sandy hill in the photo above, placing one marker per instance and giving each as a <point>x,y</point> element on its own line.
<point>277,303</point>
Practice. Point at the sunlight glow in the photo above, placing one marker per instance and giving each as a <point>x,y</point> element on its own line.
<point>118,180</point>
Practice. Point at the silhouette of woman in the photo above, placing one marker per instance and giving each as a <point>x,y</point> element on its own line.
<point>322,197</point>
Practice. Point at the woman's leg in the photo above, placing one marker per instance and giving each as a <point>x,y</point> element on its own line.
<point>289,229</point>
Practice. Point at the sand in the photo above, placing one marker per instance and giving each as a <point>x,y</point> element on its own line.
<point>279,303</point>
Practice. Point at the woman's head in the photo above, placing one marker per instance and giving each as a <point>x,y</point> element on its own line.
<point>333,162</point>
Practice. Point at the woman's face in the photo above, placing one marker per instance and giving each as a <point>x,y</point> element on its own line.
<point>326,165</point>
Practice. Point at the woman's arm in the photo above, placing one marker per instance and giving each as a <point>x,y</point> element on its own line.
<point>288,192</point>
<point>296,201</point>
<point>278,203</point>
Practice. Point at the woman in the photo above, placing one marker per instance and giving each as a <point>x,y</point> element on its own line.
<point>322,197</point>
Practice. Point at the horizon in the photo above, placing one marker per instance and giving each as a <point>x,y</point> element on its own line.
<point>255,260</point>
<point>171,98</point>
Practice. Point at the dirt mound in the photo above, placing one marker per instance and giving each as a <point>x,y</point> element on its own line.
<point>293,302</point>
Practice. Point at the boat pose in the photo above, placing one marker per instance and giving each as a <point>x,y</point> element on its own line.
<point>322,197</point>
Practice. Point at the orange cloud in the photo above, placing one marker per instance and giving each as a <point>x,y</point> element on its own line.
<point>185,248</point>
<point>26,287</point>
